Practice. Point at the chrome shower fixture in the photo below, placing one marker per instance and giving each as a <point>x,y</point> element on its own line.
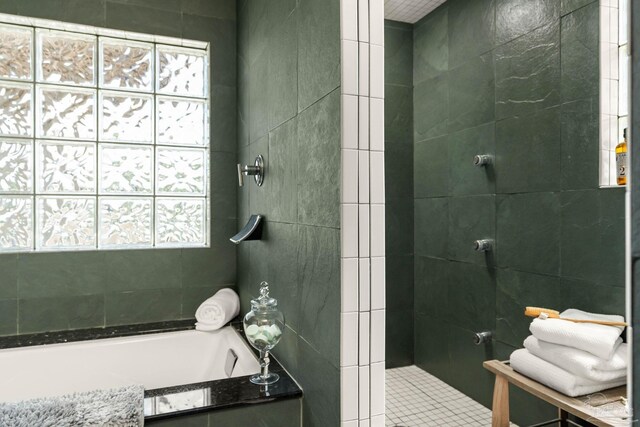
<point>257,170</point>
<point>483,245</point>
<point>482,159</point>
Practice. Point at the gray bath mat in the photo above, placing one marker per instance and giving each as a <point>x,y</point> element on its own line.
<point>119,407</point>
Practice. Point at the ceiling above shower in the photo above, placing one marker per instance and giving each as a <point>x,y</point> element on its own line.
<point>410,11</point>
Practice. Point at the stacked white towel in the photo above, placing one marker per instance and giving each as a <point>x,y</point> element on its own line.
<point>574,358</point>
<point>218,310</point>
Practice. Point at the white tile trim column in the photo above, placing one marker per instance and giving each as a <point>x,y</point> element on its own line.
<point>362,199</point>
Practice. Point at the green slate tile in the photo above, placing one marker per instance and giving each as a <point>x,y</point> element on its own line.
<point>318,50</point>
<point>281,185</point>
<point>431,167</point>
<point>528,152</point>
<point>9,276</point>
<point>432,336</point>
<point>223,9</point>
<point>144,306</point>
<point>431,227</point>
<point>258,98</point>
<point>430,46</point>
<point>593,236</point>
<point>431,108</point>
<point>319,282</point>
<point>433,277</point>
<point>76,11</point>
<point>319,163</point>
<point>399,226</point>
<point>398,54</point>
<point>399,283</point>
<point>398,113</point>
<point>471,29</point>
<point>8,317</point>
<point>212,266</point>
<point>60,313</point>
<point>580,144</point>
<point>581,53</point>
<point>193,297</point>
<point>224,183</point>
<point>517,290</point>
<point>515,18</point>
<point>569,6</point>
<point>472,93</point>
<point>465,178</point>
<point>528,232</point>
<point>399,338</point>
<point>143,19</point>
<point>471,218</point>
<point>528,72</point>
<point>287,349</point>
<point>594,298</point>
<point>472,295</point>
<point>398,166</point>
<point>283,413</point>
<point>144,269</point>
<point>223,132</point>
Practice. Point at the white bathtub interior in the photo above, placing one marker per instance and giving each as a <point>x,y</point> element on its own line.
<point>154,360</point>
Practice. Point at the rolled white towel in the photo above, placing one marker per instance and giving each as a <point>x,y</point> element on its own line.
<point>557,378</point>
<point>218,310</point>
<point>580,363</point>
<point>599,340</point>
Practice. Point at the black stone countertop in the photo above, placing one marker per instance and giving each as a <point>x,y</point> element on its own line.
<point>174,401</point>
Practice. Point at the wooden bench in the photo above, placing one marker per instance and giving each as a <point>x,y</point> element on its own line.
<point>577,406</point>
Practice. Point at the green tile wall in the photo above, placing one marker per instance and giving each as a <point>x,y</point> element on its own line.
<point>635,200</point>
<point>517,79</point>
<point>289,111</point>
<point>56,291</point>
<point>398,40</point>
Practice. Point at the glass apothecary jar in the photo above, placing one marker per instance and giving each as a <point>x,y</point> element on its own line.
<point>264,326</point>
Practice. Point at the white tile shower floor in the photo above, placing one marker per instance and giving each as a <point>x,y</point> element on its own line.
<point>417,398</point>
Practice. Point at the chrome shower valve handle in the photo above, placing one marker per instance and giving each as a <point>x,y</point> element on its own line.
<point>257,170</point>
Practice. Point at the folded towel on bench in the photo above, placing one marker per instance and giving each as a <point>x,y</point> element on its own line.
<point>557,378</point>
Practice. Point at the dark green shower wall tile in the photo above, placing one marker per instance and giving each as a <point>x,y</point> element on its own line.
<point>61,274</point>
<point>143,269</point>
<point>515,18</point>
<point>274,259</point>
<point>223,9</point>
<point>282,72</point>
<point>318,50</point>
<point>170,5</point>
<point>431,227</point>
<point>430,45</point>
<point>282,181</point>
<point>593,236</point>
<point>398,113</point>
<point>60,313</point>
<point>287,349</point>
<point>320,381</point>
<point>8,317</point>
<point>471,29</point>
<point>399,282</point>
<point>243,101</point>
<point>433,277</point>
<point>465,178</point>
<point>569,6</point>
<point>143,19</point>
<point>258,98</point>
<point>431,346</point>
<point>517,290</point>
<point>319,163</point>
<point>528,72</point>
<point>193,297</point>
<point>223,132</point>
<point>468,374</point>
<point>221,33</point>
<point>76,11</point>
<point>528,152</point>
<point>145,306</point>
<point>398,54</point>
<point>580,144</point>
<point>594,298</point>
<point>213,266</point>
<point>399,224</point>
<point>580,58</point>
<point>10,6</point>
<point>399,338</point>
<point>319,282</point>
<point>472,93</point>
<point>398,166</point>
<point>224,185</point>
<point>472,296</point>
<point>431,108</point>
<point>528,232</point>
<point>431,167</point>
<point>8,276</point>
<point>471,218</point>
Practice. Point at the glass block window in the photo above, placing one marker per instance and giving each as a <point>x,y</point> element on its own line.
<point>614,84</point>
<point>103,140</point>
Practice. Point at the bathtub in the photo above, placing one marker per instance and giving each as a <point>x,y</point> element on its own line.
<point>157,360</point>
